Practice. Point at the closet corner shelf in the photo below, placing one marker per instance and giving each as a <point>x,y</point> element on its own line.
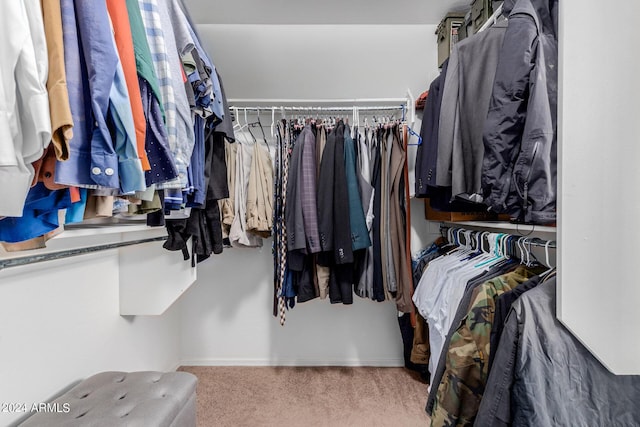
<point>138,249</point>
<point>523,229</point>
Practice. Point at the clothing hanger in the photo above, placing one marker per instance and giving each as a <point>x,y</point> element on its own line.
<point>264,136</point>
<point>237,126</point>
<point>273,121</point>
<point>496,252</point>
<point>546,260</point>
<point>413,133</point>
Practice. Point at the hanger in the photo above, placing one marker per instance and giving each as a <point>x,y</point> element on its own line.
<point>273,121</point>
<point>412,132</point>
<point>496,254</point>
<point>237,126</point>
<point>264,136</point>
<point>547,261</point>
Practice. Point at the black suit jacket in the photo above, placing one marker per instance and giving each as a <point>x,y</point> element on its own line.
<point>342,247</point>
<point>427,154</point>
<point>325,199</point>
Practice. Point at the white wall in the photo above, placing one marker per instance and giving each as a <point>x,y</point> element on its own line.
<point>599,175</point>
<point>227,315</point>
<point>60,323</point>
<point>322,61</point>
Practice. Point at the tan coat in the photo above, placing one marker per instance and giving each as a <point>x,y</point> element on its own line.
<point>260,193</point>
<point>60,111</point>
<point>397,230</point>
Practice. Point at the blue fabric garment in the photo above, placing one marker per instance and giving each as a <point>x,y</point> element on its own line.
<point>156,145</point>
<point>75,212</point>
<point>102,61</point>
<point>129,165</point>
<point>201,91</point>
<point>40,215</point>
<point>76,170</point>
<point>199,194</point>
<point>173,199</point>
<point>288,291</point>
<point>216,105</point>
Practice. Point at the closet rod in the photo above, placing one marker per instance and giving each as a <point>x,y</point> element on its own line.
<point>408,101</point>
<point>341,108</point>
<point>248,101</point>
<point>52,256</point>
<point>492,19</point>
<point>531,241</point>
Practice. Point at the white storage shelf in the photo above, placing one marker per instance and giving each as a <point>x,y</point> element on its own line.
<point>150,278</point>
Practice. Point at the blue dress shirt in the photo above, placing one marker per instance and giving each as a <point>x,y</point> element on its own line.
<point>76,170</point>
<point>102,61</point>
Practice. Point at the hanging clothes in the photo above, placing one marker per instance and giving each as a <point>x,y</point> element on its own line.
<point>24,119</point>
<point>227,205</point>
<point>260,193</point>
<point>238,234</point>
<point>397,226</point>
<point>520,138</point>
<point>122,125</point>
<point>465,103</point>
<point>327,240</point>
<point>458,395</point>
<point>530,384</point>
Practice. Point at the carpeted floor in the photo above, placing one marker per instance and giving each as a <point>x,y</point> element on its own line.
<point>309,397</point>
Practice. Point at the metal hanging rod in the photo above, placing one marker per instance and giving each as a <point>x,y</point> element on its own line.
<point>492,19</point>
<point>248,101</point>
<point>361,104</point>
<point>341,108</point>
<point>52,256</point>
<point>530,241</point>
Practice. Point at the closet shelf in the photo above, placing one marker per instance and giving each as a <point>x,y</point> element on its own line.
<point>79,238</point>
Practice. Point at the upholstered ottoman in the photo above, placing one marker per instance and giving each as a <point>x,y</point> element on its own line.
<point>111,399</point>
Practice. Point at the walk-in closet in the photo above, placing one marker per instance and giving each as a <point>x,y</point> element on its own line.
<point>288,213</point>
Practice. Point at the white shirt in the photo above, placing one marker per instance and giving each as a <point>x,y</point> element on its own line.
<point>25,123</point>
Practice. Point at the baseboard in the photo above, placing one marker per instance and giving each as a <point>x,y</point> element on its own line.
<point>386,363</point>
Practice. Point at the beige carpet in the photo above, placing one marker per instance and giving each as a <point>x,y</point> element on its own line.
<point>309,397</point>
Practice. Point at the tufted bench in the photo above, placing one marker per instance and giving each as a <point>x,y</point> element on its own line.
<point>118,399</point>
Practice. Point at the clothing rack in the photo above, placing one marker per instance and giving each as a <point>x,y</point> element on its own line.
<point>346,104</point>
<point>528,241</point>
<point>68,253</point>
<point>492,19</point>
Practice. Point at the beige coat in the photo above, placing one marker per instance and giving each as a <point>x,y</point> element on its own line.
<point>60,111</point>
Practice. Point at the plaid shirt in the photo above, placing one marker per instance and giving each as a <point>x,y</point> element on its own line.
<point>156,39</point>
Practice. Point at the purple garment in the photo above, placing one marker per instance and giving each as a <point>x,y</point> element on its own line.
<point>308,189</point>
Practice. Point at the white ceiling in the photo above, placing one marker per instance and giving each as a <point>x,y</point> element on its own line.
<point>345,12</point>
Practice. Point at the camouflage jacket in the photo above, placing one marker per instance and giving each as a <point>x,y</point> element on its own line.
<point>467,360</point>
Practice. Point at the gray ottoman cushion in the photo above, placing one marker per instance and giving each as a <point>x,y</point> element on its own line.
<point>134,399</point>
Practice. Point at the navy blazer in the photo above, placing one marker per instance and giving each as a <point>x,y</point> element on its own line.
<point>427,154</point>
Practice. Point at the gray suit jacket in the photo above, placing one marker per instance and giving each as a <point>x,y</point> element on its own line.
<point>465,104</point>
<point>293,211</point>
<point>308,189</point>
